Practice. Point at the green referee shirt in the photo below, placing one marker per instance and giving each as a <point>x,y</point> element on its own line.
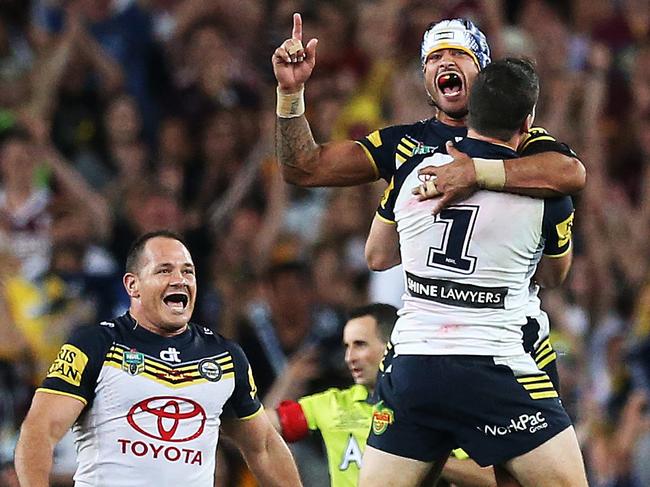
<point>343,417</point>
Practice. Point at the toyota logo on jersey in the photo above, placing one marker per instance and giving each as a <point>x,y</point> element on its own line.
<point>168,418</point>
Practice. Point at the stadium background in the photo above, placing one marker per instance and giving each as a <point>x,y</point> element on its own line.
<point>141,114</point>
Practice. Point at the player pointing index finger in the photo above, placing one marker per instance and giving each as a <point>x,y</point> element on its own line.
<point>452,50</point>
<point>297,27</point>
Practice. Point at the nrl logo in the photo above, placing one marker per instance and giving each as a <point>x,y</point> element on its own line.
<point>422,149</point>
<point>133,362</point>
<point>382,418</point>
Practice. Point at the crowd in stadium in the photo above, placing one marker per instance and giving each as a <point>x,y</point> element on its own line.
<point>120,117</point>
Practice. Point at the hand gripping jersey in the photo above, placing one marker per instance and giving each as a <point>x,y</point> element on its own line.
<point>343,417</point>
<point>467,270</point>
<point>153,404</point>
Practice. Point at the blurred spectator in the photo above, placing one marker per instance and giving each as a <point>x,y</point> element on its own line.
<point>286,319</point>
<point>24,204</point>
<point>122,29</point>
<point>146,207</point>
<point>16,59</point>
<point>138,115</point>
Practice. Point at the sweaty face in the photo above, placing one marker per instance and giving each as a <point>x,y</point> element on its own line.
<point>166,286</point>
<point>448,77</point>
<point>364,349</point>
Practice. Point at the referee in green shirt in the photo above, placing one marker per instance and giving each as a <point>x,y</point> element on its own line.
<point>344,416</point>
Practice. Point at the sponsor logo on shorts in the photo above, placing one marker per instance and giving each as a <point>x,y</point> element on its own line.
<point>382,418</point>
<point>530,423</point>
<point>210,370</point>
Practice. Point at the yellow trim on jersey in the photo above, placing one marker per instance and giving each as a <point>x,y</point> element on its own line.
<point>541,385</point>
<point>563,230</point>
<point>370,158</point>
<point>385,220</point>
<point>224,359</point>
<point>375,138</point>
<point>408,143</point>
<point>547,360</point>
<point>543,395</point>
<point>535,133</point>
<point>174,377</point>
<point>542,352</point>
<point>251,416</point>
<point>557,256</point>
<point>69,365</point>
<point>385,196</point>
<point>399,159</point>
<point>405,151</point>
<point>543,356</point>
<point>546,343</point>
<point>164,381</point>
<point>536,139</point>
<point>61,393</point>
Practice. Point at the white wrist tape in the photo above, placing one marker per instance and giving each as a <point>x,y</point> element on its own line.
<point>290,105</point>
<point>490,173</point>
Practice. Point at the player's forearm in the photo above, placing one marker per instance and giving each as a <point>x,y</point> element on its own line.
<point>552,272</point>
<point>382,246</point>
<point>34,453</point>
<point>273,465</point>
<point>296,150</point>
<point>544,175</point>
<point>380,259</point>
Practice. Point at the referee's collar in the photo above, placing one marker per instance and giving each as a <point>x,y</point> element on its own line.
<point>360,393</point>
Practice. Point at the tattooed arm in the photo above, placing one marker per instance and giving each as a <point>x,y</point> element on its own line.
<point>302,160</point>
<point>306,163</point>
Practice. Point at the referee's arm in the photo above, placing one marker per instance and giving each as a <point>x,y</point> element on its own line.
<point>49,417</point>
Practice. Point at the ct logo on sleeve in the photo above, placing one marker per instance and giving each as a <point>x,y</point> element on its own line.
<point>69,365</point>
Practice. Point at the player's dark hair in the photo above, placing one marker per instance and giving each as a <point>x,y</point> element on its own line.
<point>133,257</point>
<point>502,96</point>
<point>384,314</point>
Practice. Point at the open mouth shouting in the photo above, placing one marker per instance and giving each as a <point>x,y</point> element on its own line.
<point>176,301</point>
<point>450,84</point>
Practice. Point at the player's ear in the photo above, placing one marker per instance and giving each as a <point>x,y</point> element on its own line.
<point>131,285</point>
<point>528,123</point>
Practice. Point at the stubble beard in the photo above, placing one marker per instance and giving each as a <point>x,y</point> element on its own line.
<point>459,115</point>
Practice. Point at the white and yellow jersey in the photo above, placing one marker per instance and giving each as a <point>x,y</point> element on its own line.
<point>468,269</point>
<point>153,404</point>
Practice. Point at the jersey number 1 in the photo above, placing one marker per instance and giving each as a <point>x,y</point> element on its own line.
<point>452,254</point>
